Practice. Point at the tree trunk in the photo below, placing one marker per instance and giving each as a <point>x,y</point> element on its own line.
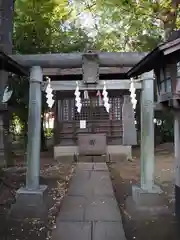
<point>6,29</point>
<point>169,19</point>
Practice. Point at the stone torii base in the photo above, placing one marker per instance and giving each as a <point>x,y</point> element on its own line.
<point>30,204</point>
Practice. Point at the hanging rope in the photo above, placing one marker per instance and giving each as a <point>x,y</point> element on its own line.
<point>99,98</point>
<point>133,94</point>
<point>105,98</point>
<point>78,98</point>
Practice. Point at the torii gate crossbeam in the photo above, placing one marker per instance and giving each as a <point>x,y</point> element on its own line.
<point>74,60</point>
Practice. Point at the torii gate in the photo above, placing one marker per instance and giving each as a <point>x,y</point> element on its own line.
<point>33,194</point>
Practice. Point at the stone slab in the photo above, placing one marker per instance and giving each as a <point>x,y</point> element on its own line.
<point>108,231</point>
<point>103,189</point>
<point>85,166</point>
<point>101,184</point>
<point>79,183</point>
<point>100,167</point>
<point>81,175</point>
<point>100,176</point>
<point>85,159</point>
<point>72,231</point>
<point>80,188</point>
<point>102,209</point>
<point>72,209</point>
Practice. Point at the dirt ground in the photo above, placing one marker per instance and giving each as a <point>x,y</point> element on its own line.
<point>56,176</point>
<point>125,173</point>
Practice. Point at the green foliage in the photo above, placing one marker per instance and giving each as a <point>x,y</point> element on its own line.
<point>48,132</point>
<point>129,25</point>
<point>35,27</point>
<point>41,27</point>
<point>16,126</point>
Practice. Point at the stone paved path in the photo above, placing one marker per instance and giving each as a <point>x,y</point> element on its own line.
<point>89,211</point>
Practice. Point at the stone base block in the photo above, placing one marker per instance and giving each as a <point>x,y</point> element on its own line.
<point>30,204</point>
<point>151,202</point>
<point>147,198</point>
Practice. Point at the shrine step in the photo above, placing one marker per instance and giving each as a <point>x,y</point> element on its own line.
<point>91,158</point>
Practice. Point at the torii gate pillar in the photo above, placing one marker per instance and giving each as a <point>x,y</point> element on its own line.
<point>147,193</point>
<point>31,200</point>
<point>147,132</point>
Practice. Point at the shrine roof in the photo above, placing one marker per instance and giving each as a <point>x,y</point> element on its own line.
<point>10,65</point>
<point>164,53</point>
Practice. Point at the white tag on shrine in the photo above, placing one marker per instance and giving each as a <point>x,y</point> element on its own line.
<point>82,124</point>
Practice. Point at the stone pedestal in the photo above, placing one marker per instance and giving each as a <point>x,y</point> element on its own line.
<point>30,204</point>
<point>152,202</point>
<point>145,197</point>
